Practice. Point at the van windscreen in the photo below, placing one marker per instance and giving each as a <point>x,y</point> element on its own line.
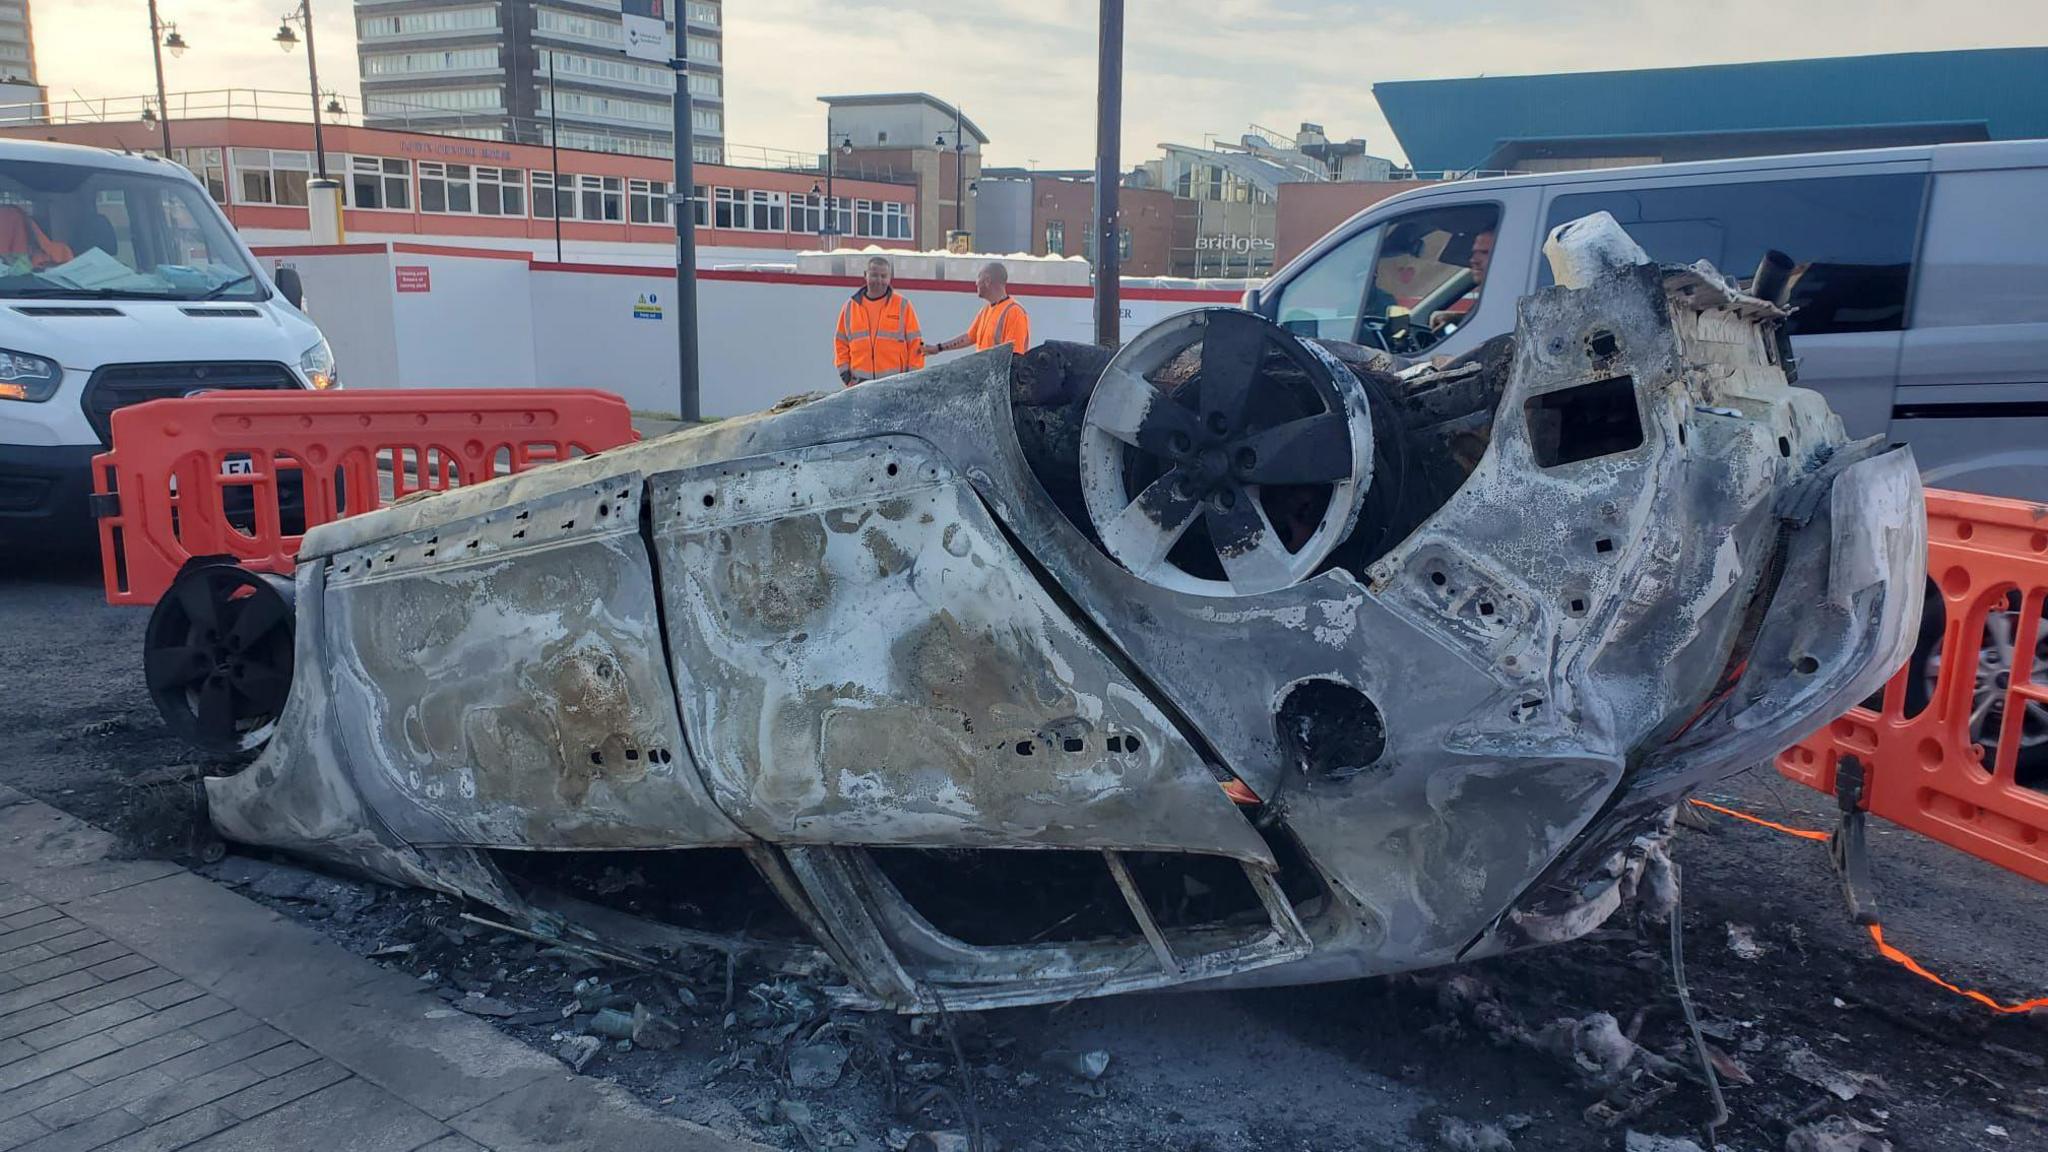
<point>82,232</point>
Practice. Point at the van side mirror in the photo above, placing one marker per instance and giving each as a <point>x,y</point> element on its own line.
<point>288,286</point>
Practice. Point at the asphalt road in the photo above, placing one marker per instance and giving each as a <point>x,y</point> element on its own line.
<point>1378,1064</point>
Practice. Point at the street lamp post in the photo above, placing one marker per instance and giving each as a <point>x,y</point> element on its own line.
<point>162,36</point>
<point>959,168</point>
<point>286,40</point>
<point>834,148</point>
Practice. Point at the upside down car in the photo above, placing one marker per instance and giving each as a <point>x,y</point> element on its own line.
<point>1231,659</point>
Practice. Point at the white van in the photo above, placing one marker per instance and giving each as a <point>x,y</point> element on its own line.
<point>120,282</point>
<point>1920,276</point>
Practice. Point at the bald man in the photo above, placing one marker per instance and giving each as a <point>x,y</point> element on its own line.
<point>1001,321</point>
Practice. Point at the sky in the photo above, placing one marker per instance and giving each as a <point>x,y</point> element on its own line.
<point>1026,72</point>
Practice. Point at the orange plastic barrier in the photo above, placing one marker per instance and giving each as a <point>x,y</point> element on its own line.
<point>1926,770</point>
<point>245,474</point>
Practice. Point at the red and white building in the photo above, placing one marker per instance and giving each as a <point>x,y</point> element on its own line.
<point>421,188</point>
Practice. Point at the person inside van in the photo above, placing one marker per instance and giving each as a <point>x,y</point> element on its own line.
<point>24,246</point>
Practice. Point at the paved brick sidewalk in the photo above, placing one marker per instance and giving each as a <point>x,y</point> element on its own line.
<point>145,1009</point>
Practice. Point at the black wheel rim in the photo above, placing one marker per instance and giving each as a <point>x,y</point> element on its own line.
<point>217,656</point>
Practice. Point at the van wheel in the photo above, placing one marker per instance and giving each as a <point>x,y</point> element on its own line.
<point>1996,664</point>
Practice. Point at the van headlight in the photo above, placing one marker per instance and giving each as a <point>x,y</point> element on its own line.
<point>24,376</point>
<point>317,363</point>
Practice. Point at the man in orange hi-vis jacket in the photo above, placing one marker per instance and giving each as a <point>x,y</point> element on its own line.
<point>878,334</point>
<point>1001,321</point>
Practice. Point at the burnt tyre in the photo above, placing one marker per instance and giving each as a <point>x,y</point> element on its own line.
<point>217,655</point>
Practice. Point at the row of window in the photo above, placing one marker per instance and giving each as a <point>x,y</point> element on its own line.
<point>279,176</point>
<point>622,71</point>
<point>592,105</point>
<point>426,23</point>
<point>436,99</point>
<point>702,13</point>
<point>427,63</point>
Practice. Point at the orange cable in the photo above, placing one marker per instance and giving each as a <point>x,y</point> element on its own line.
<point>1802,833</point>
<point>1911,965</point>
<point>1877,933</point>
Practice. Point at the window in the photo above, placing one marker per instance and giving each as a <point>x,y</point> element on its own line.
<point>707,85</point>
<point>1055,237</point>
<point>707,120</point>
<point>579,27</point>
<point>807,214</point>
<point>603,197</point>
<point>700,198</point>
<point>271,176</point>
<point>704,51</point>
<point>883,219</point>
<point>1427,277</point>
<point>500,192</point>
<point>417,63</point>
<point>1323,299</point>
<point>748,209</point>
<point>445,187</point>
<point>704,153</point>
<point>379,182</point>
<point>206,163</point>
<point>545,201</point>
<point>1850,238</point>
<point>649,201</point>
<point>699,12</point>
<point>167,240</point>
<point>1976,275</point>
<point>1123,244</point>
<point>427,23</point>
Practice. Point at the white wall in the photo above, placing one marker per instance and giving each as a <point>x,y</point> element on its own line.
<point>349,295</point>
<point>472,330</point>
<point>493,322</point>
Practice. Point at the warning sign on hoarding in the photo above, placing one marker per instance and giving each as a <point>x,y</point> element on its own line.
<point>414,278</point>
<point>646,24</point>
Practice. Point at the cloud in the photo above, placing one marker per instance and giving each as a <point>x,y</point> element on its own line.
<point>1026,73</point>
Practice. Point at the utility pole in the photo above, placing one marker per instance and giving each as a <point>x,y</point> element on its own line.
<point>1109,102</point>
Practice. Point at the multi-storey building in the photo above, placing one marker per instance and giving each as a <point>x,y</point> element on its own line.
<point>17,47</point>
<point>528,71</point>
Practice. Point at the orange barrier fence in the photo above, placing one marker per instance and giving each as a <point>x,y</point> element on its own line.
<point>1957,752</point>
<point>244,475</point>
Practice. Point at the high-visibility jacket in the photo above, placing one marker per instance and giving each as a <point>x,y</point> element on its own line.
<point>877,338</point>
<point>1002,322</point>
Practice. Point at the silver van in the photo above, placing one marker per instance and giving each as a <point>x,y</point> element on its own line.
<point>1921,280</point>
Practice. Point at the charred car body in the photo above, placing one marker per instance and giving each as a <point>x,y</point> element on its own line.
<point>1237,658</point>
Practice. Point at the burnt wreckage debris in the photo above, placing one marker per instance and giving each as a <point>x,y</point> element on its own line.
<point>1233,658</point>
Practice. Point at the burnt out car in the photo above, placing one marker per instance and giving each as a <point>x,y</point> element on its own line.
<point>1236,658</point>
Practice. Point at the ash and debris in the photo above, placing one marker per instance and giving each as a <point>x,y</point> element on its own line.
<point>1585,1046</point>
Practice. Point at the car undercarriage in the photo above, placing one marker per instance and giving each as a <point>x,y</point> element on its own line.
<point>1231,659</point>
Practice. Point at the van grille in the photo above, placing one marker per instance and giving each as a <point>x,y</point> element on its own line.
<point>61,310</point>
<point>220,312</point>
<point>119,385</point>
